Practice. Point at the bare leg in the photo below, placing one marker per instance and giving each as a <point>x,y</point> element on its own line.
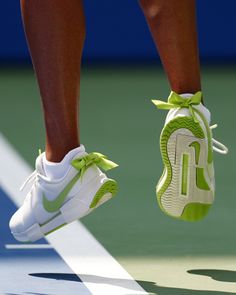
<point>55,32</point>
<point>173,27</point>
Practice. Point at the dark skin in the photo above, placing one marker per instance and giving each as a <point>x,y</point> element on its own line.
<point>55,32</point>
<point>173,27</point>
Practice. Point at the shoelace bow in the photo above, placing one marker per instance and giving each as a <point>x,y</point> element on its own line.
<point>82,164</point>
<point>176,101</point>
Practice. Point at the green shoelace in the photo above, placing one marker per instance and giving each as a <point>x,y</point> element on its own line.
<point>177,101</point>
<point>82,164</point>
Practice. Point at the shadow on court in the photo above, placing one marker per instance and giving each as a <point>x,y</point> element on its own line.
<point>160,290</point>
<point>150,287</point>
<point>57,276</point>
<point>221,275</point>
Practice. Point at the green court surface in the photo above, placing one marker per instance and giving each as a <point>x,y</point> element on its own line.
<point>165,255</point>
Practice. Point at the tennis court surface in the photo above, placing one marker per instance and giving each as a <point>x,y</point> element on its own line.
<point>127,246</point>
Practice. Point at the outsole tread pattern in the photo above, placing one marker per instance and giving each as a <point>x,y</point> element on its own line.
<point>109,186</point>
<point>192,211</point>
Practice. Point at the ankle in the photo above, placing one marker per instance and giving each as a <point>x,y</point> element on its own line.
<point>56,155</point>
<point>56,170</point>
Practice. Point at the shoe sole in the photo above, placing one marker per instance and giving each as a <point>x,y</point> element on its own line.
<point>74,209</point>
<point>185,191</point>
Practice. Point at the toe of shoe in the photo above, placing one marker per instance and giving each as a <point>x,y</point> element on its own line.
<point>16,222</point>
<point>17,227</point>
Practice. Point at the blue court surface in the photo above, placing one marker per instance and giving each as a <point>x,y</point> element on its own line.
<point>34,270</point>
<point>69,261</point>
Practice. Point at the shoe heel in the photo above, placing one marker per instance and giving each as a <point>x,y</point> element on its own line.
<point>106,192</point>
<point>195,211</point>
<point>77,208</point>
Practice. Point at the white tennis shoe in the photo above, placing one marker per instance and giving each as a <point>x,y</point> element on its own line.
<point>51,204</point>
<point>187,186</point>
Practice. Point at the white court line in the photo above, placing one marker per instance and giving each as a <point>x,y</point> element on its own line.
<point>27,246</point>
<point>98,270</point>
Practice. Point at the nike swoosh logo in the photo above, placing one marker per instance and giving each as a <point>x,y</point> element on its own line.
<point>55,205</point>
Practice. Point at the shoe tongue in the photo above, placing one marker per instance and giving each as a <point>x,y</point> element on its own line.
<point>39,165</point>
<point>200,107</point>
<point>186,95</point>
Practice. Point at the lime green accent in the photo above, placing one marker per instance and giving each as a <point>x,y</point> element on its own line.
<point>200,179</point>
<point>192,211</point>
<point>172,126</point>
<point>195,211</point>
<point>108,187</point>
<point>185,162</point>
<point>81,164</point>
<point>55,205</point>
<point>201,182</point>
<point>56,228</point>
<point>197,147</point>
<point>177,101</point>
<point>98,159</point>
<point>209,136</point>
